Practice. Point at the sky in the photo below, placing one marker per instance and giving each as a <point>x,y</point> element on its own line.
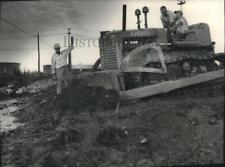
<point>86,18</point>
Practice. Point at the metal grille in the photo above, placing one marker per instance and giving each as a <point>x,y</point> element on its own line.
<point>108,53</point>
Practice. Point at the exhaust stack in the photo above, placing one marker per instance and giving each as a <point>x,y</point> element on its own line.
<point>124,19</point>
<point>145,10</point>
<point>138,13</point>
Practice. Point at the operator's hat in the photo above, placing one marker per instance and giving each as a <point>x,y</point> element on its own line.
<point>56,45</point>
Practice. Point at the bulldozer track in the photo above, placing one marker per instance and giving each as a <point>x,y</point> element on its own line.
<point>212,88</point>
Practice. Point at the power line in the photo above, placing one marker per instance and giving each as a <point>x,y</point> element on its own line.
<point>30,34</point>
<point>15,37</point>
<point>22,49</point>
<point>51,35</point>
<point>18,0</point>
<point>46,43</point>
<point>16,27</point>
<point>43,36</point>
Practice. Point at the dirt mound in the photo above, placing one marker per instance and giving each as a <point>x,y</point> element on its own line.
<point>79,96</point>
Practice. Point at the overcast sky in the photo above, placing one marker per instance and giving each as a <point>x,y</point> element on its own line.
<point>87,18</point>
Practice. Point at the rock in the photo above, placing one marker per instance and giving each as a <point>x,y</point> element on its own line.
<point>143,140</point>
<point>212,121</point>
<point>145,163</point>
<point>43,101</point>
<point>194,121</point>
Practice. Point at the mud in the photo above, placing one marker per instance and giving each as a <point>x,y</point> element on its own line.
<point>7,110</point>
<point>80,128</point>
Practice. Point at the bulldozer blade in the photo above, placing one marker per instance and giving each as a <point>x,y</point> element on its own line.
<point>167,86</point>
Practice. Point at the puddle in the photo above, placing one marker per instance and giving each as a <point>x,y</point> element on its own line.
<point>7,120</point>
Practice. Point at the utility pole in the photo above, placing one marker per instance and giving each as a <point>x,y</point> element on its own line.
<point>69,44</point>
<point>0,11</point>
<point>38,45</point>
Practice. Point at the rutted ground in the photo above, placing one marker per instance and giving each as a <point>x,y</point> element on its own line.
<point>81,128</point>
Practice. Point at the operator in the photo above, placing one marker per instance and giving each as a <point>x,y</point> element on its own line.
<point>180,27</point>
<point>60,67</point>
<point>167,17</point>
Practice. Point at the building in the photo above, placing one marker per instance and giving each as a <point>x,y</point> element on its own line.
<point>47,69</point>
<point>9,68</point>
<point>82,67</point>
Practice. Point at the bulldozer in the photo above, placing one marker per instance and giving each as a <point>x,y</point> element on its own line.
<point>140,63</point>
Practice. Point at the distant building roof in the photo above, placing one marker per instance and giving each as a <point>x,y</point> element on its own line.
<point>47,65</point>
<point>9,63</point>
